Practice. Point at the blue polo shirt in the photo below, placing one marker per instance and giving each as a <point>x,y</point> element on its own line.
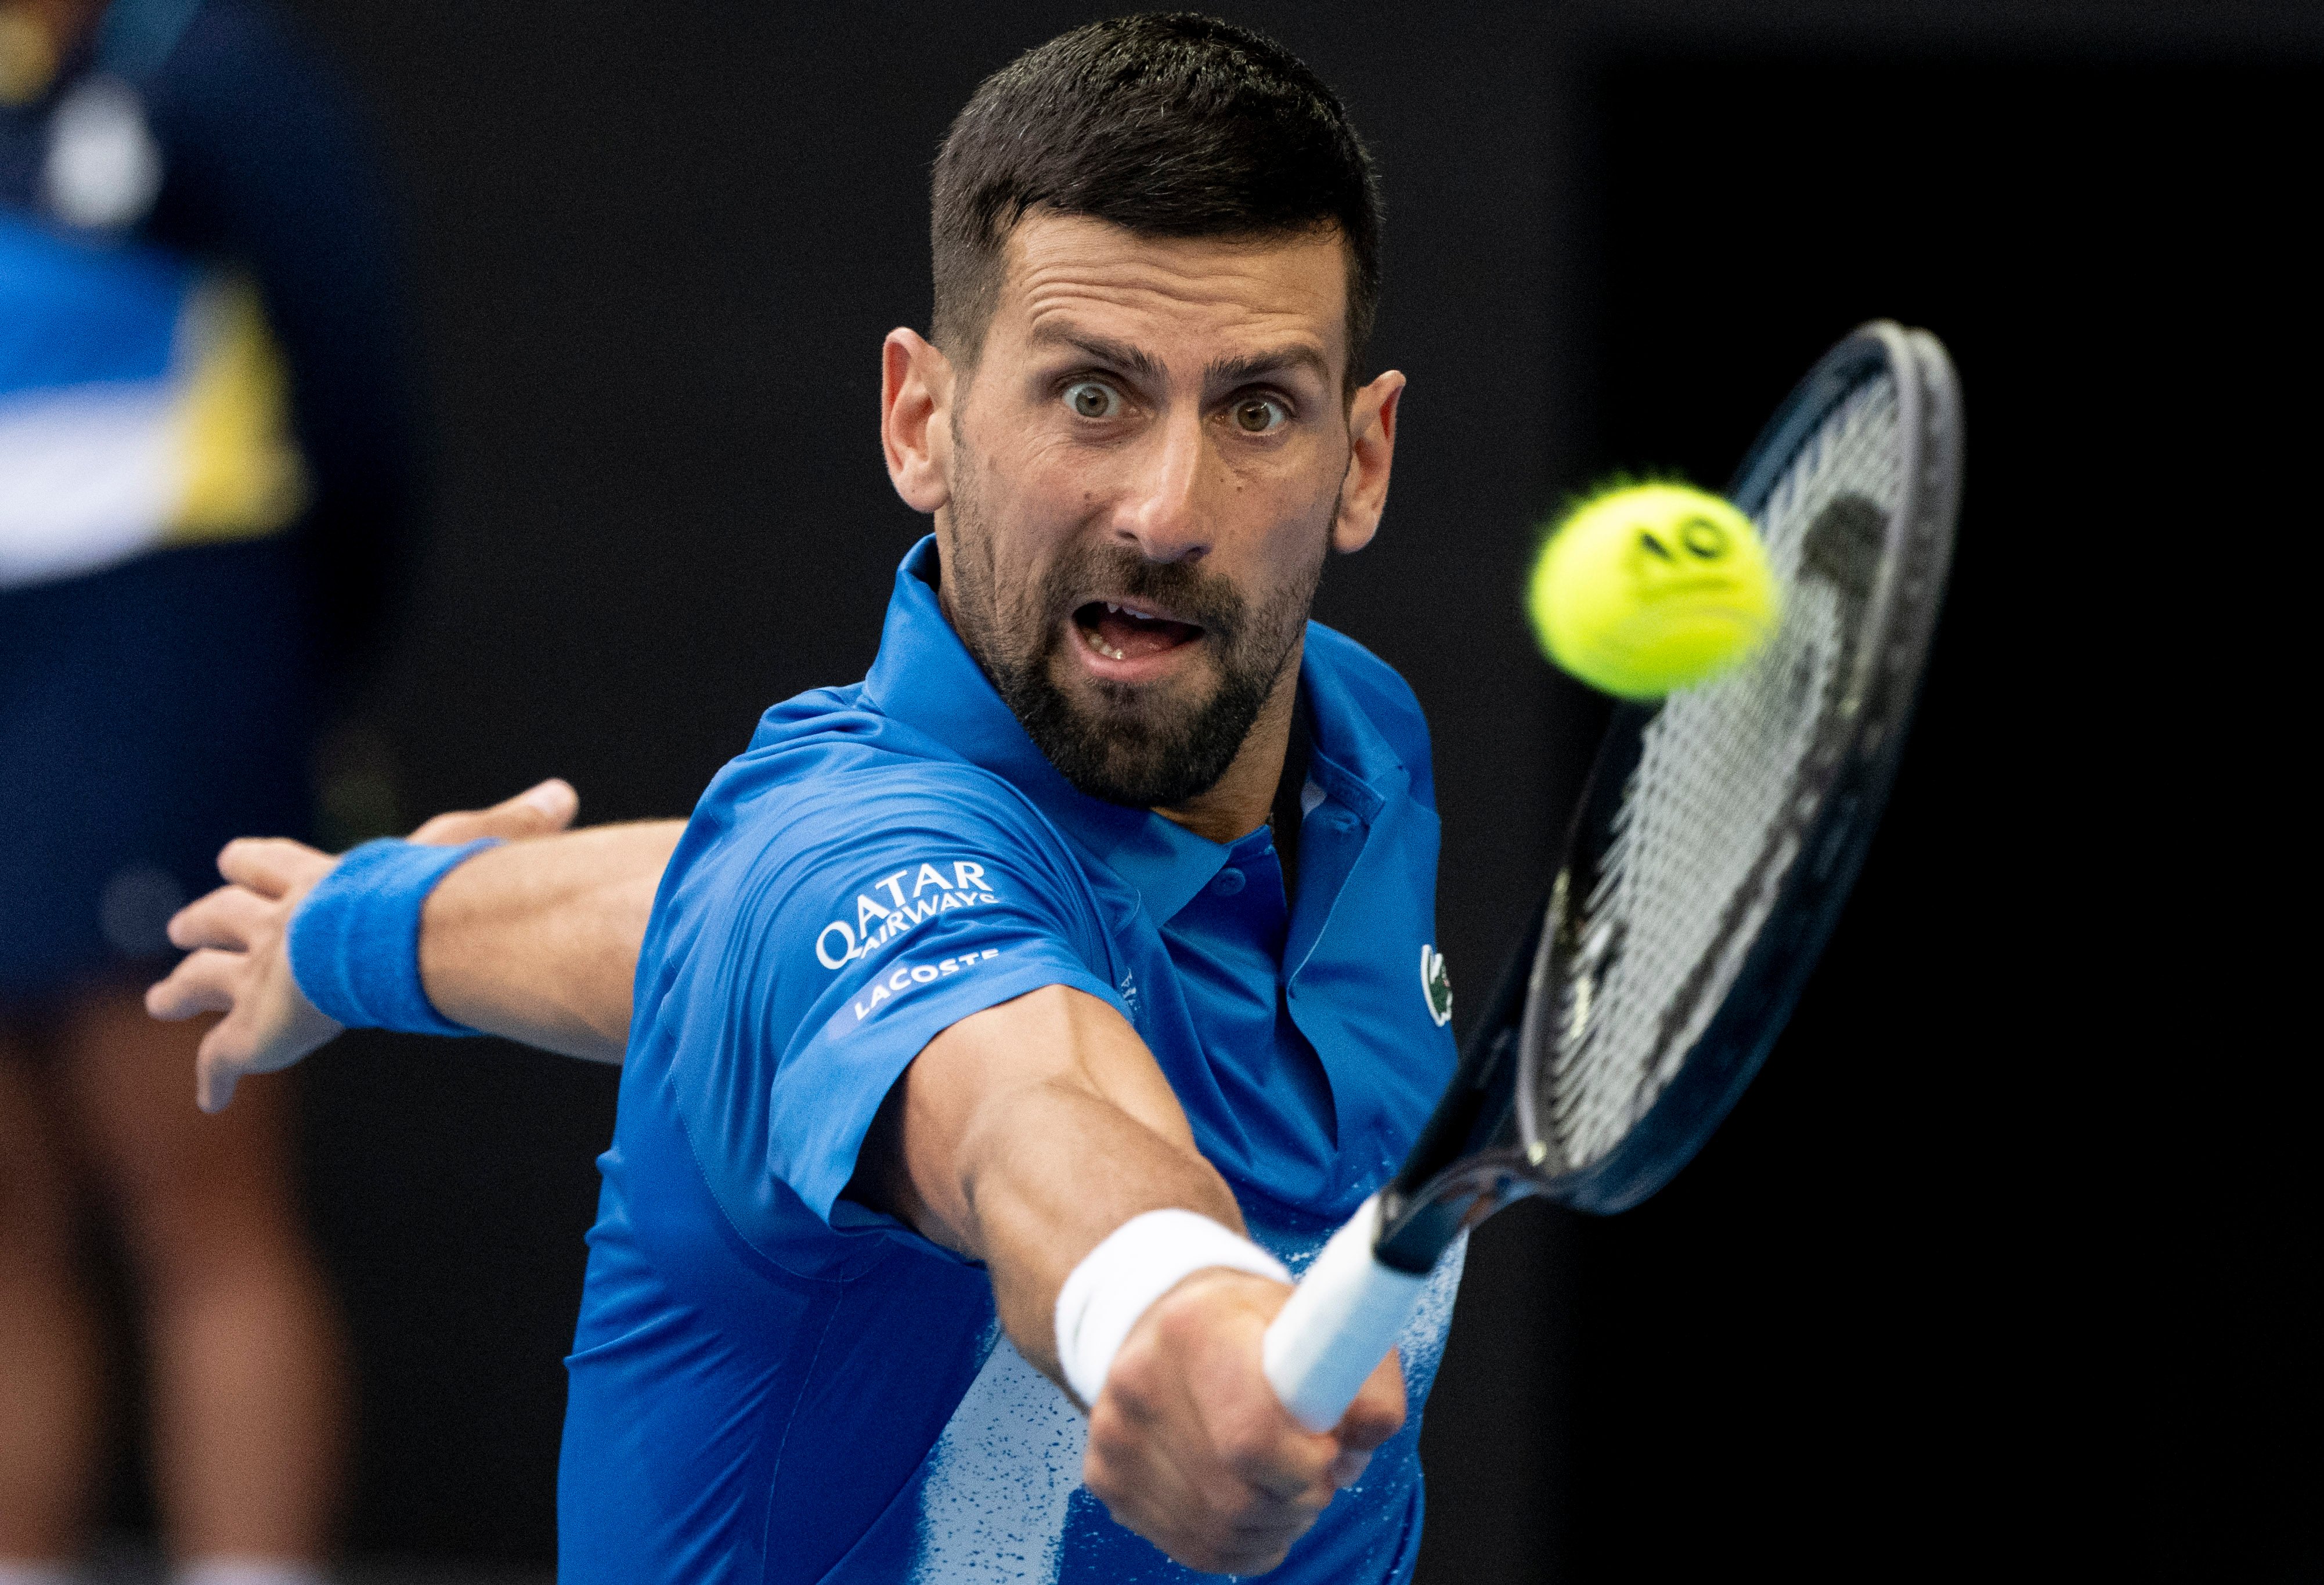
<point>770,1383</point>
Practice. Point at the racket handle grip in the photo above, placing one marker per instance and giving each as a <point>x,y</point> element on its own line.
<point>1339,1323</point>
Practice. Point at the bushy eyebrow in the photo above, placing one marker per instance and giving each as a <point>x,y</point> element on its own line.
<point>1120,355</point>
<point>1242,371</point>
<point>1225,373</point>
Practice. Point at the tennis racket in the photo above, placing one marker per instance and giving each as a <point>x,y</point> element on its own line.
<point>1716,839</point>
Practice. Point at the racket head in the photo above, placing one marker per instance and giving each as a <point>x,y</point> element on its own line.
<point>1721,829</point>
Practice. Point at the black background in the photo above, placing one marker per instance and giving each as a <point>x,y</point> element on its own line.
<point>1909,1307</point>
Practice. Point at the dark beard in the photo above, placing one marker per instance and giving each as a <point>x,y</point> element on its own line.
<point>1133,747</point>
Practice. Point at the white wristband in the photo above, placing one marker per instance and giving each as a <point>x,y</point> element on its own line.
<point>1138,1262</point>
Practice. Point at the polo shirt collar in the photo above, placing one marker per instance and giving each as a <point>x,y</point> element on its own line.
<point>924,677</point>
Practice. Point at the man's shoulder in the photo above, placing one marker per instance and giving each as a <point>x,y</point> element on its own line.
<point>1379,696</point>
<point>829,782</point>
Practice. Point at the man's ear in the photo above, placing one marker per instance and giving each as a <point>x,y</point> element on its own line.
<point>916,387</point>
<point>1372,449</point>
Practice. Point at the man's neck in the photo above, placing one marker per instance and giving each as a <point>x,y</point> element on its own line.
<point>1238,802</point>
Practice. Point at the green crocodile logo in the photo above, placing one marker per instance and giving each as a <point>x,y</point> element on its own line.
<point>1435,984</point>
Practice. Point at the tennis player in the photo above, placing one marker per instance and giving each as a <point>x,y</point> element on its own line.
<point>1004,1028</point>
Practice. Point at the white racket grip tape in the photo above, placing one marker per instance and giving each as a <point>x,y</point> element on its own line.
<point>1340,1323</point>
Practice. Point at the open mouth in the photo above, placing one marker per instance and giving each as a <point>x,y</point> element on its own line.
<point>1126,633</point>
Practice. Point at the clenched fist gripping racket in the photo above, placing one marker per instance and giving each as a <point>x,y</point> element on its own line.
<point>1717,837</point>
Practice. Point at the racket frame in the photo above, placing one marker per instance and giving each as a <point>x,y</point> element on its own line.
<point>1482,1147</point>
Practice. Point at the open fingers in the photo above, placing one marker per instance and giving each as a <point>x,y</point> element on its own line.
<point>267,1026</point>
<point>228,917</point>
<point>203,982</point>
<point>537,811</point>
<point>216,1072</point>
<point>271,865</point>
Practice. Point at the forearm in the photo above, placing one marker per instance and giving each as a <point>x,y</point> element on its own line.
<point>1062,1170</point>
<point>1036,1136</point>
<point>1023,1137</point>
<point>538,940</point>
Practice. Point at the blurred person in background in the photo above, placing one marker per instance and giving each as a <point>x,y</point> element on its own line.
<point>204,471</point>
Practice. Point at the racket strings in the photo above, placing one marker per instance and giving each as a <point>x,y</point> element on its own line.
<point>1730,776</point>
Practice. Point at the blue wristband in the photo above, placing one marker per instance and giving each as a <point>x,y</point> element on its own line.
<point>355,941</point>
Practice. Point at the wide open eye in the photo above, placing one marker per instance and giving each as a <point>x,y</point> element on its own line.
<point>1704,538</point>
<point>1259,415</point>
<point>1092,399</point>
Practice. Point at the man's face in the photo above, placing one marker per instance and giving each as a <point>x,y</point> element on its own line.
<point>1144,473</point>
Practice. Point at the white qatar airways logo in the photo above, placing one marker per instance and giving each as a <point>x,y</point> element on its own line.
<point>877,923</point>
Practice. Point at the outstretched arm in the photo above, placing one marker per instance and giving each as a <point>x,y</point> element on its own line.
<point>537,941</point>
<point>1026,1134</point>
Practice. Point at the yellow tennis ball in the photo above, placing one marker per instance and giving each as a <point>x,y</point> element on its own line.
<point>1645,588</point>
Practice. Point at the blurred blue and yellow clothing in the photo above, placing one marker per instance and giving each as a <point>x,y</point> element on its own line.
<point>205,464</point>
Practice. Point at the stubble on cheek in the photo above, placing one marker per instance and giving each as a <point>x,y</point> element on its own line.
<point>973,595</point>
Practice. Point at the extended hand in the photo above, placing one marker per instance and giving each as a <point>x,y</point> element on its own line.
<point>237,941</point>
<point>1190,1447</point>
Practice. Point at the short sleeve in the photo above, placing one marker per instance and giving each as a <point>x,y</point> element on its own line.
<point>823,944</point>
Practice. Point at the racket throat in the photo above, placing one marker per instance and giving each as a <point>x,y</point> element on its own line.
<point>1416,1230</point>
<point>1468,1162</point>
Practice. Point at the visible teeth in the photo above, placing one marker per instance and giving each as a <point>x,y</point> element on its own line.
<point>1109,605</point>
<point>1131,610</point>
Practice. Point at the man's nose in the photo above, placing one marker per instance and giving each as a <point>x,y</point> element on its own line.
<point>1163,511</point>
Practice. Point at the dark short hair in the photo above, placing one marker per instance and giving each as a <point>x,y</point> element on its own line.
<point>1176,124</point>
